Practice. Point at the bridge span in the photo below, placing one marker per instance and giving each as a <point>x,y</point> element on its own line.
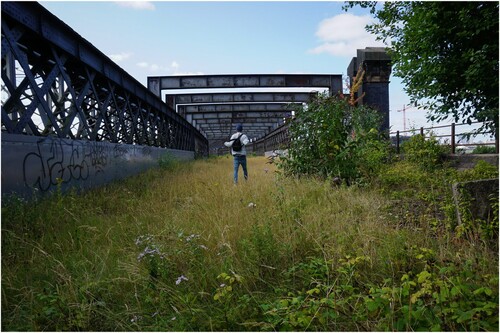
<point>71,117</point>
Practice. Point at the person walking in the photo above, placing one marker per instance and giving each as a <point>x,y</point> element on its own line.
<point>237,142</point>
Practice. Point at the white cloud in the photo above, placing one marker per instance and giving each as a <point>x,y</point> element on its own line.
<point>343,34</point>
<point>172,69</point>
<point>120,56</point>
<point>140,5</point>
<point>188,73</point>
<point>152,67</point>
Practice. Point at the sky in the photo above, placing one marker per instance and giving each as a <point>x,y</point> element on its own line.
<point>160,38</point>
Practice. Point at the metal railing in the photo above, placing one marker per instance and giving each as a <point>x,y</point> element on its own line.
<point>453,142</point>
<point>57,84</point>
<point>275,140</point>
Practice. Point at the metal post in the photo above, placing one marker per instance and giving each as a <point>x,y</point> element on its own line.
<point>496,139</point>
<point>397,142</point>
<point>453,138</point>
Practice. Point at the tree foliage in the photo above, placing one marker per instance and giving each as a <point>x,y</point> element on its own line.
<point>446,53</point>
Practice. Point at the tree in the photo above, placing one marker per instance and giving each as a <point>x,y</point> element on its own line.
<point>446,54</point>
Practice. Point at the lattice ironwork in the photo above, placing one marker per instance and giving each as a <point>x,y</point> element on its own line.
<point>55,83</point>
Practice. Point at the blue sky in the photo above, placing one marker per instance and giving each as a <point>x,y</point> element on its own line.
<point>154,38</point>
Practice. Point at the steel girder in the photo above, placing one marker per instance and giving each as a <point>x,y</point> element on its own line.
<point>240,107</point>
<point>237,91</point>
<point>234,99</point>
<point>250,97</point>
<point>157,84</point>
<point>218,120</point>
<point>55,83</point>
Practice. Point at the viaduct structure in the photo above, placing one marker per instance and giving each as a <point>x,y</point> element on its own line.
<point>72,118</point>
<point>217,114</point>
<point>264,113</point>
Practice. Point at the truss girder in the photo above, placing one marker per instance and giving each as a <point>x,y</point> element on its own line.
<point>246,108</point>
<point>250,97</point>
<point>55,83</point>
<point>241,93</point>
<point>159,83</point>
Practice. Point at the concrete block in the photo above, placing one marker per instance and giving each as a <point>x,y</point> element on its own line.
<point>475,197</point>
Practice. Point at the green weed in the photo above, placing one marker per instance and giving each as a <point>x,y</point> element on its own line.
<point>183,249</point>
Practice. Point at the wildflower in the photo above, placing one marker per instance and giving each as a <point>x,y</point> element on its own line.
<point>222,285</point>
<point>142,239</point>
<point>252,205</point>
<point>180,279</point>
<point>191,237</point>
<point>151,251</point>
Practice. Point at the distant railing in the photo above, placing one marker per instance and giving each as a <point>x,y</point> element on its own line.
<point>275,140</point>
<point>452,135</point>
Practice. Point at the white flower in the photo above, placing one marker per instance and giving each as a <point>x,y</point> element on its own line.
<point>180,279</point>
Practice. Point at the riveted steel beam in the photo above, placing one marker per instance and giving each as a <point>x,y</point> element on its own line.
<point>234,100</point>
<point>250,107</point>
<point>58,84</point>
<point>238,97</point>
<point>157,84</point>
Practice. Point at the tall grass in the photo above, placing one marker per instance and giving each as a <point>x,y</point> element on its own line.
<point>181,248</point>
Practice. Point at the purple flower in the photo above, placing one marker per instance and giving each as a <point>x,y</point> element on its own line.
<point>180,279</point>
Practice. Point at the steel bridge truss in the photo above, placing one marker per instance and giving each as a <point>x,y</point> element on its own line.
<point>56,84</point>
<point>215,114</point>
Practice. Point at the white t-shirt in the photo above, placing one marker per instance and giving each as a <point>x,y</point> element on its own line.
<point>244,142</point>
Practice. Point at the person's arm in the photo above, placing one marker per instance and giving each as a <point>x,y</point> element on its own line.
<point>230,142</point>
<point>244,140</point>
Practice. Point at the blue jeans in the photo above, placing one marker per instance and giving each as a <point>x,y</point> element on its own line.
<point>240,159</point>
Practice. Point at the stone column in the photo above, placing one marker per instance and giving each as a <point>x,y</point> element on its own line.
<point>377,65</point>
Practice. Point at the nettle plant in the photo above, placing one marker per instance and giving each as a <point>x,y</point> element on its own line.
<point>330,137</point>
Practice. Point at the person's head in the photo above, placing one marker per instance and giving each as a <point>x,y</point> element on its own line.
<point>239,127</point>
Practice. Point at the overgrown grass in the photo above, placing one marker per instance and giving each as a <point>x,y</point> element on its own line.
<point>183,249</point>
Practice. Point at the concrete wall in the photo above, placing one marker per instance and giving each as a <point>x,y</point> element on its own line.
<point>33,164</point>
<point>468,161</point>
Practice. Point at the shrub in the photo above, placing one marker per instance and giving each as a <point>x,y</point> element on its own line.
<point>332,138</point>
<point>427,153</point>
<point>484,150</point>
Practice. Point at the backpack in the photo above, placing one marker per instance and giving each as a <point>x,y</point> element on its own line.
<point>237,144</point>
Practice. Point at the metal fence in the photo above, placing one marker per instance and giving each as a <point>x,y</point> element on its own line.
<point>450,138</point>
<point>57,84</point>
<point>71,117</point>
